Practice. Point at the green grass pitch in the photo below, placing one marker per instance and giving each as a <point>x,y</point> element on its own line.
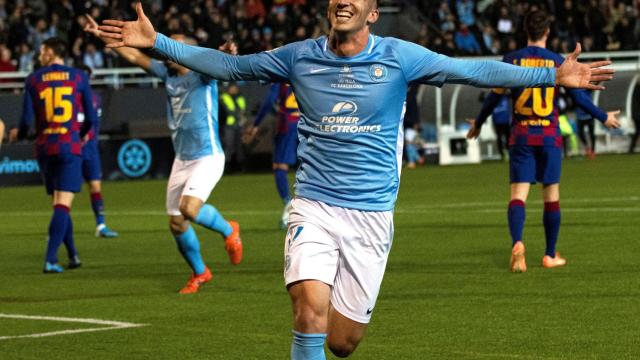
<point>447,293</point>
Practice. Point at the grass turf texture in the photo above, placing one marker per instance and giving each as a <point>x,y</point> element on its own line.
<point>447,291</point>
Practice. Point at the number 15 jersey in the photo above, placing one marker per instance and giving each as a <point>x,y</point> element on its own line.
<point>535,110</point>
<point>53,97</point>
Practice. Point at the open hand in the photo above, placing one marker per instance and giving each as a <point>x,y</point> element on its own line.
<point>573,74</point>
<point>137,34</point>
<point>473,132</point>
<point>612,120</point>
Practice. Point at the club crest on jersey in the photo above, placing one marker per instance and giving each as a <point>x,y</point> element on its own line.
<point>378,72</point>
<point>345,69</point>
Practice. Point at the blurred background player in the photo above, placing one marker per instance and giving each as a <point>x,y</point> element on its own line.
<point>199,163</point>
<point>586,127</point>
<point>282,101</point>
<point>232,112</point>
<point>536,141</point>
<point>92,166</point>
<point>53,96</point>
<point>502,125</point>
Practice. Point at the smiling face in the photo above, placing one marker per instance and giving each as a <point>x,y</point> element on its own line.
<point>348,16</point>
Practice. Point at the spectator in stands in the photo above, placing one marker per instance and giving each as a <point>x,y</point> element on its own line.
<point>25,59</point>
<point>93,57</point>
<point>466,42</point>
<point>6,63</point>
<point>39,33</point>
<point>446,18</point>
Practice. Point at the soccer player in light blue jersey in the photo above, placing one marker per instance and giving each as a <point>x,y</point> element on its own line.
<point>351,87</point>
<point>192,114</point>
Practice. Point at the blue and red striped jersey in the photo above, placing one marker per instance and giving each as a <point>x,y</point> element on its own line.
<point>95,129</point>
<point>282,100</point>
<point>53,97</point>
<point>535,110</point>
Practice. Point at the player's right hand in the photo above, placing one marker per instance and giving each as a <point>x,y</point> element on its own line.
<point>473,131</point>
<point>612,120</point>
<point>137,34</point>
<point>250,135</point>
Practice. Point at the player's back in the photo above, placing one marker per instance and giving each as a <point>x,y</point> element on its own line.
<point>54,96</point>
<point>535,111</point>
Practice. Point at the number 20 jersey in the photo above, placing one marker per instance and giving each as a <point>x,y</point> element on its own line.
<point>54,95</point>
<point>535,110</point>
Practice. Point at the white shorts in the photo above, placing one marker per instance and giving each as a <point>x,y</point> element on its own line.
<point>195,178</point>
<point>344,248</point>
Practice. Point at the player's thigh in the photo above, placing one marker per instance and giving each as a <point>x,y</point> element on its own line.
<point>175,185</point>
<point>68,173</point>
<point>522,164</point>
<point>91,164</point>
<point>47,166</point>
<point>285,148</point>
<point>310,251</point>
<point>365,242</point>
<point>549,162</point>
<point>203,175</point>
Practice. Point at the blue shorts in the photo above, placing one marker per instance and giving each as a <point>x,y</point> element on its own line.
<point>61,172</point>
<point>91,165</point>
<point>532,164</point>
<point>285,149</point>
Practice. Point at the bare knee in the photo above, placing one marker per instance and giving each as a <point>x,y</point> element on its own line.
<point>178,225</point>
<point>190,209</point>
<point>341,348</point>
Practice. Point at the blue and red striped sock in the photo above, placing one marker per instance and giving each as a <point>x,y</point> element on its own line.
<point>282,184</point>
<point>516,215</point>
<point>551,221</point>
<point>97,204</point>
<point>68,240</point>
<point>57,231</point>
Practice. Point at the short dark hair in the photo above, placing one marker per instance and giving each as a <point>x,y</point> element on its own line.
<point>536,24</point>
<point>57,45</point>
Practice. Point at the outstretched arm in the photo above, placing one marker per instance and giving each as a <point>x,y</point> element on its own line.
<point>583,100</point>
<point>423,65</point>
<point>272,66</point>
<point>488,106</point>
<point>130,54</point>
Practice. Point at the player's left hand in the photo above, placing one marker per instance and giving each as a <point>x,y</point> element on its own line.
<point>249,135</point>
<point>612,120</point>
<point>573,74</point>
<point>474,132</point>
<point>13,135</point>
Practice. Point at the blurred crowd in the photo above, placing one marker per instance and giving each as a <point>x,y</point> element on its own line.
<point>255,25</point>
<point>452,27</point>
<point>493,27</point>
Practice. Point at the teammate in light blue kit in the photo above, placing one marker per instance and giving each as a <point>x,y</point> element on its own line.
<point>351,88</point>
<point>192,114</point>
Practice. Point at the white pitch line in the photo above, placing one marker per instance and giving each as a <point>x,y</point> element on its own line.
<point>111,325</point>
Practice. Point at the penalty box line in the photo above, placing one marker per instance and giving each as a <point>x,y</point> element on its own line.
<point>108,325</point>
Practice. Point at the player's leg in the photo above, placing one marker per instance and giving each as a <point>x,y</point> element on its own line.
<point>365,242</point>
<point>311,262</point>
<point>92,173</point>
<point>280,172</point>
<point>522,171</point>
<point>204,174</point>
<point>58,226</point>
<point>582,125</point>
<point>182,231</point>
<point>551,163</point>
<point>592,137</point>
<point>310,303</point>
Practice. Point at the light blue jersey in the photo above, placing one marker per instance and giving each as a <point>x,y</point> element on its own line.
<point>192,112</point>
<point>352,108</point>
